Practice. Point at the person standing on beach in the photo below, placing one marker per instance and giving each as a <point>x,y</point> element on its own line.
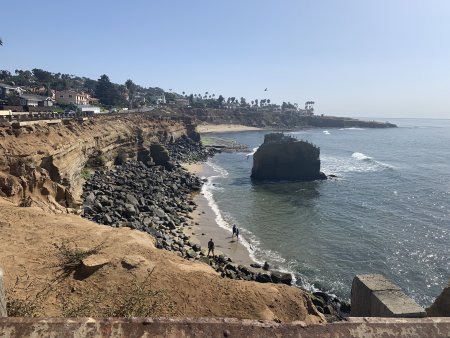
<point>211,247</point>
<point>237,233</point>
<point>234,230</point>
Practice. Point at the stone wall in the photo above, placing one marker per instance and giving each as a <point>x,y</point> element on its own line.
<point>375,296</point>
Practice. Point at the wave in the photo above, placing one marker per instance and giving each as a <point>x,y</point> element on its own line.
<point>361,157</point>
<point>253,152</point>
<point>247,238</point>
<point>326,132</point>
<point>358,162</point>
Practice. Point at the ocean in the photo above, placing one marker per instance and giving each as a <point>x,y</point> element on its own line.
<point>387,212</point>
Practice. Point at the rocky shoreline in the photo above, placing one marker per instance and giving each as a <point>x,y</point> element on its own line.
<point>157,198</point>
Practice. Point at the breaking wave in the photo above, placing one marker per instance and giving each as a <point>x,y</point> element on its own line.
<point>357,162</point>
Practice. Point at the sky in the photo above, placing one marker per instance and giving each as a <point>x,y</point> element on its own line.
<point>361,58</point>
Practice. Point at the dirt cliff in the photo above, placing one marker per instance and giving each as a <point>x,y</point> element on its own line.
<point>126,276</point>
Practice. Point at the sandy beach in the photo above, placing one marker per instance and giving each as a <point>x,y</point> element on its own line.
<point>205,227</point>
<point>223,128</point>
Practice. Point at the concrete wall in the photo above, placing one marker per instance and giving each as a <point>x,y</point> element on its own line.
<point>375,296</point>
<point>221,327</point>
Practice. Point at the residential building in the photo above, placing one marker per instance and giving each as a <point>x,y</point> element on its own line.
<point>31,100</point>
<point>72,97</point>
<point>182,101</point>
<point>158,99</point>
<point>7,90</point>
<point>88,109</point>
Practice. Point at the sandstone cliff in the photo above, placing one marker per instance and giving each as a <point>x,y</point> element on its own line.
<point>41,164</point>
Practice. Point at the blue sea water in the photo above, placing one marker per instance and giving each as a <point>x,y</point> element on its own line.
<point>388,211</point>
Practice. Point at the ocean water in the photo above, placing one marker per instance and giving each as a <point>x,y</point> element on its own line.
<point>388,211</point>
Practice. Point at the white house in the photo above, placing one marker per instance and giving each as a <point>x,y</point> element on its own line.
<point>88,109</point>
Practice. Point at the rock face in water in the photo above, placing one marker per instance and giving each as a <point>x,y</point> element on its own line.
<point>284,158</point>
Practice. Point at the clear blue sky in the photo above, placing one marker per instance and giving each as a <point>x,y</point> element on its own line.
<point>386,58</point>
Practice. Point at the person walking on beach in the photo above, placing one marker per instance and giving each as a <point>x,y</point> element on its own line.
<point>211,247</point>
<point>234,230</point>
<point>237,233</point>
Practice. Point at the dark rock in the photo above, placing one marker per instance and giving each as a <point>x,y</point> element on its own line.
<point>280,277</point>
<point>263,278</point>
<point>328,310</point>
<point>132,200</point>
<point>317,301</point>
<point>326,297</point>
<point>107,219</point>
<point>345,307</point>
<point>255,265</point>
<point>285,158</point>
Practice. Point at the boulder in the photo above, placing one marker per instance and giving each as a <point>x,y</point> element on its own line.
<point>263,278</point>
<point>284,158</point>
<point>280,277</point>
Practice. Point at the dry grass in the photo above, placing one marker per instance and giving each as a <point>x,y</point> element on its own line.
<point>69,259</point>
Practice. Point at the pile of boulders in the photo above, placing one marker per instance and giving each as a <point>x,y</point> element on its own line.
<point>158,201</point>
<point>186,150</point>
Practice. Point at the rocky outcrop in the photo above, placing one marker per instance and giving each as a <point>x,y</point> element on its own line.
<point>284,158</point>
<point>441,306</point>
<point>274,119</point>
<point>41,164</point>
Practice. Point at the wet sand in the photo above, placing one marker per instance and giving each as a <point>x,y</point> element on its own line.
<point>207,227</point>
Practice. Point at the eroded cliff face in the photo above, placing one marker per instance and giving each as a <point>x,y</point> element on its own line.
<point>41,164</point>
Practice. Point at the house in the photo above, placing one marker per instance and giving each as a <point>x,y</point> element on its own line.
<point>7,90</point>
<point>182,101</point>
<point>158,99</point>
<point>90,110</point>
<point>72,97</point>
<point>31,100</point>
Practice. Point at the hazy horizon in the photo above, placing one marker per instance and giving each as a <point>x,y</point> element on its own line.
<point>385,58</point>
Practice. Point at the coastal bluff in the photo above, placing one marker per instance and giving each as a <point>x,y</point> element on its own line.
<point>284,158</point>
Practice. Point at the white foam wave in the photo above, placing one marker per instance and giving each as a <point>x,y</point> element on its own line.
<point>253,152</point>
<point>247,238</point>
<point>361,156</point>
<point>352,128</point>
<point>221,172</point>
<point>326,132</point>
<point>358,162</point>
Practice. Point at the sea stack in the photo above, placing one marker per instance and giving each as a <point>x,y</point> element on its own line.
<point>284,158</point>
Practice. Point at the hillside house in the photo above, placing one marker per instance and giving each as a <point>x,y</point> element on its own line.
<point>181,101</point>
<point>31,100</point>
<point>7,90</point>
<point>90,110</point>
<point>72,97</point>
<point>158,99</point>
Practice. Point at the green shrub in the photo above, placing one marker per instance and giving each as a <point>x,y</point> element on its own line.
<point>100,161</point>
<point>86,174</point>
